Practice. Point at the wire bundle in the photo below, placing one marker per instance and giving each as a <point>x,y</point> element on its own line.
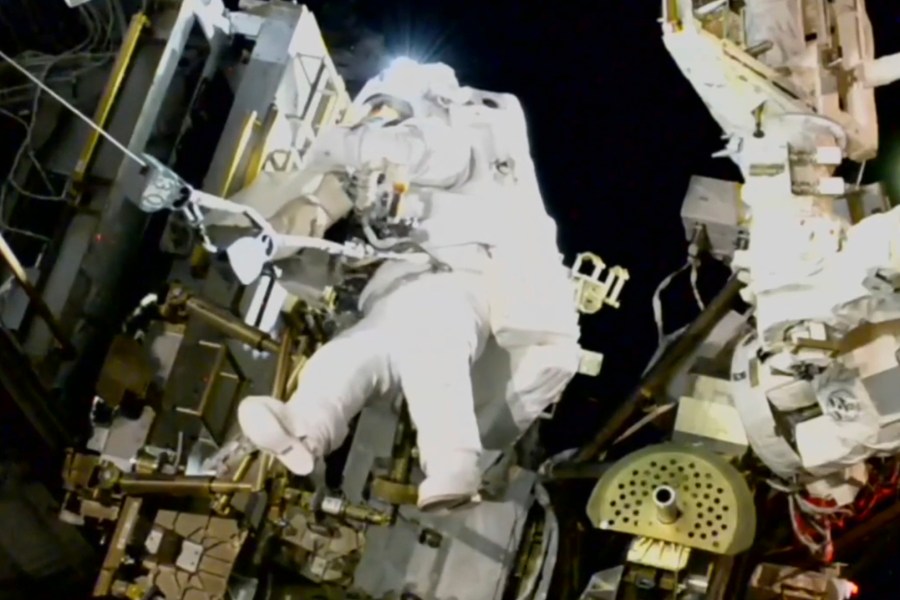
<point>65,67</point>
<point>814,520</point>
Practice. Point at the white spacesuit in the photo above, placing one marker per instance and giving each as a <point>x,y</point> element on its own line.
<point>480,213</point>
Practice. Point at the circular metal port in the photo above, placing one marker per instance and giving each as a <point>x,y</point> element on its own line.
<point>666,505</point>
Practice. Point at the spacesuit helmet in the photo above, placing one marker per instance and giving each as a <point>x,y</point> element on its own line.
<point>409,89</point>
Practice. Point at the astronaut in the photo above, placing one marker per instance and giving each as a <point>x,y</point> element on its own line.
<point>481,216</point>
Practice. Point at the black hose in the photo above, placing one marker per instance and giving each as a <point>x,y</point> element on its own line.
<point>659,374</point>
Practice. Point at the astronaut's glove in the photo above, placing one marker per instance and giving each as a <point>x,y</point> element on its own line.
<point>228,457</point>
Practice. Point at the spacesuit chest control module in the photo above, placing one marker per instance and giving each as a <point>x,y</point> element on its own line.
<point>461,176</point>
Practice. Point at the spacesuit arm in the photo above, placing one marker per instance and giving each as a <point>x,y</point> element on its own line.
<point>434,153</point>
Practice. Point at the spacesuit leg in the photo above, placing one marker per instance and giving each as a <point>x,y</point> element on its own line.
<point>423,337</point>
<point>440,326</point>
<point>334,386</point>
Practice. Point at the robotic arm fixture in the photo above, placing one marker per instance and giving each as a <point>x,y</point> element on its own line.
<point>790,83</point>
<point>165,190</point>
<point>811,389</point>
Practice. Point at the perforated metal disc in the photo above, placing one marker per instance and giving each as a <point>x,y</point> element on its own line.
<point>716,509</point>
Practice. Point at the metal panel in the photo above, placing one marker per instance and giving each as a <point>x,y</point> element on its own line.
<point>120,217</point>
<point>254,95</point>
<point>882,389</point>
<point>19,382</point>
<point>113,250</point>
<point>476,545</point>
<point>373,440</point>
<point>464,555</point>
<point>62,278</point>
<point>58,283</point>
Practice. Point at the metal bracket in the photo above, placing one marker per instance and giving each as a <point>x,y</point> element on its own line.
<point>590,363</point>
<point>591,294</point>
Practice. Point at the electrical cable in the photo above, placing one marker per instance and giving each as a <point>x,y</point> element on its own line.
<point>663,285</point>
<point>93,51</point>
<point>695,245</point>
<point>87,120</point>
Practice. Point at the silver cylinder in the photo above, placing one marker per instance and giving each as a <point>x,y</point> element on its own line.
<point>666,504</point>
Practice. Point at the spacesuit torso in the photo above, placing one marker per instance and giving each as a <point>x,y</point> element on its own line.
<point>488,217</point>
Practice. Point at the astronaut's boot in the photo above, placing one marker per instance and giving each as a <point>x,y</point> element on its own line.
<point>445,496</point>
<point>265,422</point>
<point>450,485</point>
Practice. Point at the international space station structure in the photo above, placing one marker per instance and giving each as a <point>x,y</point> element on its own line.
<point>802,404</point>
<point>329,383</point>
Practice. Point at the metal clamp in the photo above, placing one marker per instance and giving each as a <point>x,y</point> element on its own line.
<point>591,294</point>
<point>165,190</point>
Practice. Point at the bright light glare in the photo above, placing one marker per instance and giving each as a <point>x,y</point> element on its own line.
<point>403,78</point>
<point>402,61</point>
